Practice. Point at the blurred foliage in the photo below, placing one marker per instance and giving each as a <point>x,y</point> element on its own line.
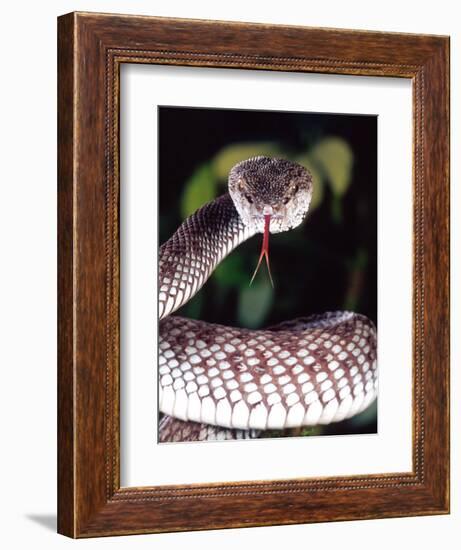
<point>334,158</point>
<point>231,272</point>
<point>200,189</point>
<point>255,303</point>
<point>232,154</point>
<point>329,263</point>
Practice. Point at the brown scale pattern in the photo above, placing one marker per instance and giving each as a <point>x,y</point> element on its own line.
<point>189,257</point>
<point>172,430</point>
<point>312,371</point>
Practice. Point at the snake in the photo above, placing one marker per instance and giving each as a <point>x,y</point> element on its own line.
<point>223,382</point>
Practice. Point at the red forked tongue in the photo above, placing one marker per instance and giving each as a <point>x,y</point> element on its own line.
<point>265,249</point>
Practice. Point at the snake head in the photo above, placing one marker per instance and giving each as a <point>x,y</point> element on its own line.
<point>264,186</point>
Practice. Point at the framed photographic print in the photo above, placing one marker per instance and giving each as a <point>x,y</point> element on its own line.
<point>284,368</point>
<point>253,275</point>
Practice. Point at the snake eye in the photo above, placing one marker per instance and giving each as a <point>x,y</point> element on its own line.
<point>296,188</point>
<point>249,199</point>
<point>286,200</point>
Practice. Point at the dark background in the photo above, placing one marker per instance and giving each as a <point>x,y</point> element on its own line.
<point>329,263</point>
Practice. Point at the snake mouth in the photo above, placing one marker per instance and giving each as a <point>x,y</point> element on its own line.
<point>265,250</point>
<point>273,217</point>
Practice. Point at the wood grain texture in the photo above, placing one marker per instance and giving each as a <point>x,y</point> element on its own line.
<point>91,49</point>
<point>66,297</point>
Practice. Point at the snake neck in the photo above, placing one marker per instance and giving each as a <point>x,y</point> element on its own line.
<point>189,257</point>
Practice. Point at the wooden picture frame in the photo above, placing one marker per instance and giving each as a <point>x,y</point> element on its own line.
<point>92,48</point>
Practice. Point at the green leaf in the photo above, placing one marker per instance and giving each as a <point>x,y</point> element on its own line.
<point>336,209</point>
<point>255,303</point>
<point>334,157</point>
<point>199,189</point>
<point>232,154</point>
<point>231,272</point>
<point>317,194</point>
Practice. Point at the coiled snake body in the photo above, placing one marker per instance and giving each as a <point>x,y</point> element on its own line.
<point>309,371</point>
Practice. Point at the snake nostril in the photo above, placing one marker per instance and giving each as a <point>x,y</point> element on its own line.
<point>268,210</point>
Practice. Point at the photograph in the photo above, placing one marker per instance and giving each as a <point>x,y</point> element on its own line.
<point>267,274</point>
